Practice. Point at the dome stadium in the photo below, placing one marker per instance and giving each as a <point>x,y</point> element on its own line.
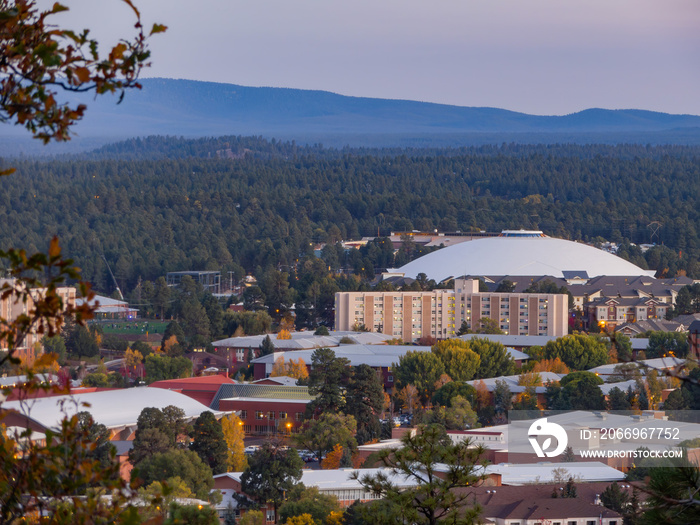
<point>520,252</point>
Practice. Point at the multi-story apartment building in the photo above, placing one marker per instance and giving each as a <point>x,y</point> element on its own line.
<point>614,311</point>
<point>440,313</point>
<point>11,308</point>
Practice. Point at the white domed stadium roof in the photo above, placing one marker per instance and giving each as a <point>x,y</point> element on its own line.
<point>520,253</point>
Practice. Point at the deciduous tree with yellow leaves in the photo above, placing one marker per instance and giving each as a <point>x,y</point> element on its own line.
<point>295,368</point>
<point>234,436</point>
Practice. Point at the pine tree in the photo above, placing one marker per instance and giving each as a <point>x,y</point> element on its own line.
<point>328,380</point>
<point>364,400</point>
<point>267,346</point>
<point>209,442</point>
<point>271,473</point>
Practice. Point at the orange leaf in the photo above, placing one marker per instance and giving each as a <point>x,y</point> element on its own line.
<point>82,73</point>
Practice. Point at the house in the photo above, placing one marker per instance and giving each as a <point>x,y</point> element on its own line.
<point>534,505</point>
<point>613,311</point>
<point>649,325</point>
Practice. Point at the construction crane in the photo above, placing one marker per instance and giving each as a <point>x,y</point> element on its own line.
<point>121,295</point>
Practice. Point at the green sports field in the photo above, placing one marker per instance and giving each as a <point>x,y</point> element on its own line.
<point>118,326</point>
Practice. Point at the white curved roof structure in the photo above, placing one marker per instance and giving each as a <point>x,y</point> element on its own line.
<point>113,408</point>
<point>520,255</point>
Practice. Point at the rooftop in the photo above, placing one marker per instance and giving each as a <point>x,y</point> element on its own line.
<point>304,340</point>
<point>113,408</point>
<point>660,363</point>
<point>519,255</point>
<point>544,472</point>
<point>373,355</point>
<point>512,382</point>
<point>257,392</point>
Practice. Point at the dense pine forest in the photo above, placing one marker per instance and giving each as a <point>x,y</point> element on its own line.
<point>155,205</point>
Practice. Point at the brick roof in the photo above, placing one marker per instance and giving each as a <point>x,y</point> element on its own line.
<point>535,501</point>
<point>195,383</point>
<point>548,509</point>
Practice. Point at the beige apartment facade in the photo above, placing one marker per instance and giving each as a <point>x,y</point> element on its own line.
<point>11,308</point>
<point>440,313</point>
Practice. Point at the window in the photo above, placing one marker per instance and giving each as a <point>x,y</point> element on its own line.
<point>390,379</point>
<point>270,515</point>
<point>271,415</point>
<point>298,416</point>
<point>258,414</point>
<point>244,414</point>
<point>283,415</point>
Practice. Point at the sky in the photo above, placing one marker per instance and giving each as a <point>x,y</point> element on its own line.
<point>545,57</point>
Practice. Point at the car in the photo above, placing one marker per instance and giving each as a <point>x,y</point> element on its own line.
<point>251,449</point>
<point>307,456</point>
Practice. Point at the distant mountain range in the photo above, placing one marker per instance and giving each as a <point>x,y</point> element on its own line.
<point>195,109</point>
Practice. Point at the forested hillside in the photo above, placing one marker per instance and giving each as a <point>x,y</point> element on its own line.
<point>247,204</point>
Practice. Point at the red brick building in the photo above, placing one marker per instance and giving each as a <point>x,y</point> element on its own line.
<point>264,409</point>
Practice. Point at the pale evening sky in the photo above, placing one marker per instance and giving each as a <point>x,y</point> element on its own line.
<point>535,56</point>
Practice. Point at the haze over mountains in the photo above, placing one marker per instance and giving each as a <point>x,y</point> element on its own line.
<point>194,109</point>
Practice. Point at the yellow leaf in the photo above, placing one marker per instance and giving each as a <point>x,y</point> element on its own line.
<point>57,8</point>
<point>158,28</point>
<point>54,248</point>
<point>45,361</point>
